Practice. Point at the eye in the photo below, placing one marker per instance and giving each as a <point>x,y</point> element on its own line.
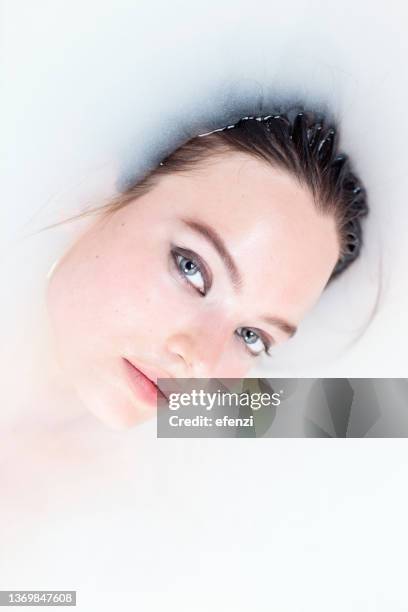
<point>192,269</point>
<point>254,342</point>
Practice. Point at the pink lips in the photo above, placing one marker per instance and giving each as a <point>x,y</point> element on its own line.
<point>145,386</point>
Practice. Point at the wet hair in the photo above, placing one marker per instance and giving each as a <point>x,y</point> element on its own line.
<point>302,143</point>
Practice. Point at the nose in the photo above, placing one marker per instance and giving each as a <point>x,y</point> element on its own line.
<point>195,353</point>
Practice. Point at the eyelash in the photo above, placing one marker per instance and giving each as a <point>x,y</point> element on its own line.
<point>179,254</point>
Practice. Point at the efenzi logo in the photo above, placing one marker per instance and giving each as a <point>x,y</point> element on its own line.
<point>207,400</point>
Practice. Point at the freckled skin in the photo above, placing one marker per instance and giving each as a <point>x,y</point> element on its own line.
<point>117,292</point>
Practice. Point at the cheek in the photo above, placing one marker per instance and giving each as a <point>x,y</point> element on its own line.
<point>109,302</point>
<point>232,371</point>
<point>234,363</point>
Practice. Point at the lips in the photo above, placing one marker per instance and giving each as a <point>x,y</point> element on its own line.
<point>143,381</point>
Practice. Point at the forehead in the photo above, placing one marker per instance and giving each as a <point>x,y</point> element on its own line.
<point>284,248</point>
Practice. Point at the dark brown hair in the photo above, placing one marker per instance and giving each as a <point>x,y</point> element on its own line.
<point>303,143</point>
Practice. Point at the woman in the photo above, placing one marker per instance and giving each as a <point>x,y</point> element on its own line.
<point>207,263</point>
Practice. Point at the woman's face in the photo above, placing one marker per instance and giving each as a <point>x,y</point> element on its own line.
<point>195,279</point>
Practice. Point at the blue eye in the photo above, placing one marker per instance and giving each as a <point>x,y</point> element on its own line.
<point>189,267</point>
<point>253,341</point>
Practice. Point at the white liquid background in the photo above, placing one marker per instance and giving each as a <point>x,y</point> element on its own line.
<point>92,91</point>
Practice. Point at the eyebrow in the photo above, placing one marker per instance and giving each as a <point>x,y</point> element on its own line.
<point>284,326</point>
<point>219,245</point>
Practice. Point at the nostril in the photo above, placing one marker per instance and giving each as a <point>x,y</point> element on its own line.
<point>184,365</point>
